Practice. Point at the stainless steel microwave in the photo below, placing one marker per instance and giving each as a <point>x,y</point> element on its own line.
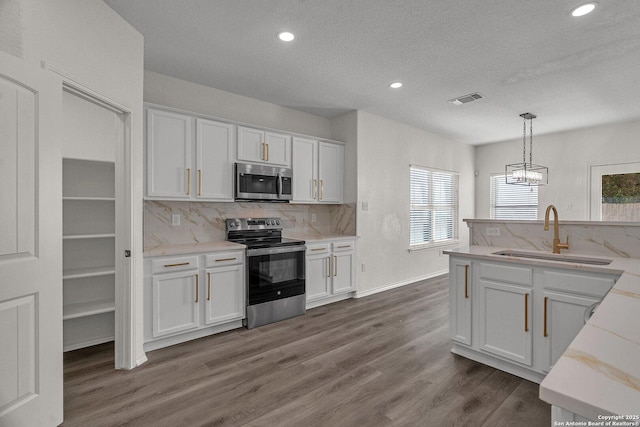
<point>263,183</point>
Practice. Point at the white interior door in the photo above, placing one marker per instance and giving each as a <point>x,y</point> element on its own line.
<point>31,376</point>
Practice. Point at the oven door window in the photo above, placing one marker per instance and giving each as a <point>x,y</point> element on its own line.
<point>275,276</point>
<point>258,184</point>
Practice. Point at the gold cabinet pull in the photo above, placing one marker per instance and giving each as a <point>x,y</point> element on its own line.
<point>344,246</point>
<point>526,312</point>
<point>546,334</point>
<point>321,189</point>
<point>328,266</point>
<point>225,259</point>
<point>197,280</point>
<point>208,286</point>
<point>317,249</point>
<point>315,189</point>
<point>264,156</point>
<point>179,264</point>
<point>466,281</point>
<point>188,181</point>
<point>267,152</point>
<point>335,265</point>
<point>199,182</point>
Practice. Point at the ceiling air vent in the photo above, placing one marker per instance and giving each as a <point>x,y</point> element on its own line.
<point>466,98</point>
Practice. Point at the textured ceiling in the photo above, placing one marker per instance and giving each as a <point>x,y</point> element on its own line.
<point>522,56</point>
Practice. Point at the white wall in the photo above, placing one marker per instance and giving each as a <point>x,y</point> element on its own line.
<point>568,156</point>
<point>386,148</point>
<point>89,43</point>
<point>181,94</point>
<point>345,128</point>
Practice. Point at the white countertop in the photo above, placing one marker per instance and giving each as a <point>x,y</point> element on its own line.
<point>313,237</point>
<point>188,248</point>
<point>599,374</point>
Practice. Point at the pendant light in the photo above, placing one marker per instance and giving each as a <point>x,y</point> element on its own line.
<point>526,173</point>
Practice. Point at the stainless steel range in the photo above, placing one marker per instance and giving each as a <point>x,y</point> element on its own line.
<point>275,276</point>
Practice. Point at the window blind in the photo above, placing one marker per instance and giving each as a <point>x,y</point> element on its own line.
<point>433,214</point>
<point>512,201</point>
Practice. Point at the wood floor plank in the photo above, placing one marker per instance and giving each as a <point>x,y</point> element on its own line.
<point>383,360</point>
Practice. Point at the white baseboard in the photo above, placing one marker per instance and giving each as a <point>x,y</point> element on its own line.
<point>360,294</point>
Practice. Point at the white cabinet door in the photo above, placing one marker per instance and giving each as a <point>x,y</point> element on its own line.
<point>505,320</point>
<point>278,149</point>
<point>318,277</point>
<point>251,145</point>
<point>330,172</point>
<point>258,146</point>
<point>460,297</point>
<point>305,170</point>
<point>169,140</point>
<point>175,302</point>
<point>563,317</point>
<point>31,374</point>
<point>214,148</point>
<point>342,272</point>
<point>224,299</point>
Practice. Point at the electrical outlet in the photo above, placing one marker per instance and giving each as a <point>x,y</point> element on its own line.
<point>175,219</point>
<point>313,217</point>
<point>493,231</point>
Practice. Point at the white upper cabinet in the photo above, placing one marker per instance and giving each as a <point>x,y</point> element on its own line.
<point>259,146</point>
<point>318,171</point>
<point>168,154</point>
<point>330,172</point>
<point>189,158</point>
<point>214,154</point>
<point>305,170</point>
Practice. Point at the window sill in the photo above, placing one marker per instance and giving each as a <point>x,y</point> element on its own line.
<point>434,245</point>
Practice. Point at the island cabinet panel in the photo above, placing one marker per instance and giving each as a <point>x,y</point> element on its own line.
<point>460,297</point>
<point>516,317</point>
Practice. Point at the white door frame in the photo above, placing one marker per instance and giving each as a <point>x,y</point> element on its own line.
<point>126,354</point>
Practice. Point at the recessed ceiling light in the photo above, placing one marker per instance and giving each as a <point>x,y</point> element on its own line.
<point>285,36</point>
<point>583,10</point>
<point>395,85</point>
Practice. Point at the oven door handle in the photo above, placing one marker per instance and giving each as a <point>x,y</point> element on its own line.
<point>277,250</point>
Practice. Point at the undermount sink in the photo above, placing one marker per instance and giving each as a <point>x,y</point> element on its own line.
<point>555,257</point>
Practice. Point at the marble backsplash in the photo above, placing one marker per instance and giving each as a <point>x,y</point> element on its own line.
<point>205,222</point>
<point>585,237</point>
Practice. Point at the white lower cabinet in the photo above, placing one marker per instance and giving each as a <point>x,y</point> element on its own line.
<point>329,272</point>
<point>518,318</point>
<point>191,296</point>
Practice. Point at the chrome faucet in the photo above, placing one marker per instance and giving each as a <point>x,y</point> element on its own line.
<point>556,230</point>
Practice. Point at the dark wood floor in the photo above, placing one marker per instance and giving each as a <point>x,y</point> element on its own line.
<point>382,360</point>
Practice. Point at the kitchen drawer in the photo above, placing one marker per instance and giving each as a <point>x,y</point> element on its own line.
<point>578,283</point>
<point>343,246</point>
<point>506,274</point>
<point>219,259</point>
<point>170,264</point>
<point>317,248</point>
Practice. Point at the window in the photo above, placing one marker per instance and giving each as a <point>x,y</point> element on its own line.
<point>433,215</point>
<point>512,201</point>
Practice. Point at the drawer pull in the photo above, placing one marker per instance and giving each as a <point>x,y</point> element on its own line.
<point>197,280</point>
<point>344,246</point>
<point>526,312</point>
<point>225,259</point>
<point>546,334</point>
<point>179,264</point>
<point>466,281</point>
<point>317,249</point>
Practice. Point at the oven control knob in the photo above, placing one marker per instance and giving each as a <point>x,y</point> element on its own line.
<point>277,222</point>
<point>232,224</point>
<point>279,292</point>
